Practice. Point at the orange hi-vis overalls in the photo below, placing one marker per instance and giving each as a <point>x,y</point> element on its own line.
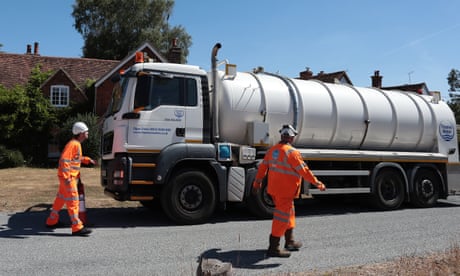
<point>285,168</point>
<point>68,174</point>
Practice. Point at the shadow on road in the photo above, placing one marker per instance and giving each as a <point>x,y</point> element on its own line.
<point>245,259</point>
<point>31,222</point>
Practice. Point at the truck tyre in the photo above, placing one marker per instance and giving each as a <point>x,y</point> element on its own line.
<point>189,198</point>
<point>261,204</point>
<point>388,190</point>
<point>426,189</point>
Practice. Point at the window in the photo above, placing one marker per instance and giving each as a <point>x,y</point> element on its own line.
<point>59,95</point>
<point>118,94</point>
<point>153,91</point>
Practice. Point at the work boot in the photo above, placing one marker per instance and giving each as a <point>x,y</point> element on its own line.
<point>58,224</point>
<point>291,244</point>
<point>274,249</point>
<point>82,232</point>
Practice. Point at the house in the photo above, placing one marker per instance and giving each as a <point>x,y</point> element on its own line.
<point>69,76</point>
<point>67,83</point>
<point>419,88</point>
<point>335,77</point>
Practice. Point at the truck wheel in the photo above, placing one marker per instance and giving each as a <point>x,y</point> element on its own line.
<point>189,198</point>
<point>426,189</point>
<point>388,190</point>
<point>261,204</point>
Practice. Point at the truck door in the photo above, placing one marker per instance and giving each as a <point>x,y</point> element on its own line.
<point>169,112</point>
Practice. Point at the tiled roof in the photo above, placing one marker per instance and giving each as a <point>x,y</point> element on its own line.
<point>332,77</point>
<point>340,76</point>
<point>16,68</point>
<point>408,87</point>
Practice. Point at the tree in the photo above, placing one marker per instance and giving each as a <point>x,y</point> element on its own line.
<point>15,107</point>
<point>453,79</point>
<point>26,118</point>
<point>112,29</point>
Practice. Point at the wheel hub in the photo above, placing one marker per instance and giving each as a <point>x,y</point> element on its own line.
<point>426,187</point>
<point>191,197</point>
<point>389,191</point>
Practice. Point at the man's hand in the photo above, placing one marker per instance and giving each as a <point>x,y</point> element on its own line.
<point>256,186</point>
<point>321,186</point>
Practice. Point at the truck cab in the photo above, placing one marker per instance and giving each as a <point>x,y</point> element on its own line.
<point>157,105</point>
<point>154,107</point>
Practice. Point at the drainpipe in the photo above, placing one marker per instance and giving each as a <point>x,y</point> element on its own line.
<point>215,109</point>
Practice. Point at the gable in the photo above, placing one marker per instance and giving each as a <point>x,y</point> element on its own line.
<point>129,60</point>
<point>335,77</point>
<point>61,78</point>
<point>104,85</point>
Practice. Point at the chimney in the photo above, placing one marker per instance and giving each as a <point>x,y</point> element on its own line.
<point>377,79</point>
<point>175,52</point>
<point>306,75</point>
<point>36,48</point>
<point>29,49</point>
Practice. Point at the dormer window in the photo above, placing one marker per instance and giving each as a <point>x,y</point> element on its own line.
<point>59,95</point>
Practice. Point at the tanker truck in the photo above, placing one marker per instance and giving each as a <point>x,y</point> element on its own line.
<point>189,141</point>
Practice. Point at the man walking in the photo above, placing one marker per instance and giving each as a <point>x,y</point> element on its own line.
<point>68,174</point>
<point>285,168</point>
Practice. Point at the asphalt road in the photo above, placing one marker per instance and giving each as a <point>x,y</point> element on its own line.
<point>137,241</point>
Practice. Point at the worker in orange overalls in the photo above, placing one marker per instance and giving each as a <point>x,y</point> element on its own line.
<point>285,168</point>
<point>68,174</point>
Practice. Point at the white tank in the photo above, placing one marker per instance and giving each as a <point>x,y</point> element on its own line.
<point>329,115</point>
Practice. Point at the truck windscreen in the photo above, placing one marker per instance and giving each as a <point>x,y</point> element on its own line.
<point>153,91</point>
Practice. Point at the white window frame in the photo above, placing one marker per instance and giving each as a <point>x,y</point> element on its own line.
<point>62,94</point>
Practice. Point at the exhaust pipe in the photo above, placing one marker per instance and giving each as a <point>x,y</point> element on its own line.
<point>215,109</point>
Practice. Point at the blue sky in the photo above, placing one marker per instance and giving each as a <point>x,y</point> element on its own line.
<point>407,41</point>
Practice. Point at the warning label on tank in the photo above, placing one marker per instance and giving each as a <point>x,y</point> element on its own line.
<point>446,130</point>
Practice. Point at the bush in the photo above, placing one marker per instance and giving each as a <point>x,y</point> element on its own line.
<point>10,158</point>
<point>91,146</point>
<point>26,118</point>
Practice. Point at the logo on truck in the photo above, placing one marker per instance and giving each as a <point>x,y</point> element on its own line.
<point>178,116</point>
<point>446,130</point>
<point>179,113</point>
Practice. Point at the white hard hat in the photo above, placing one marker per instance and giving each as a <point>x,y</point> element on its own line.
<point>79,127</point>
<point>288,130</point>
